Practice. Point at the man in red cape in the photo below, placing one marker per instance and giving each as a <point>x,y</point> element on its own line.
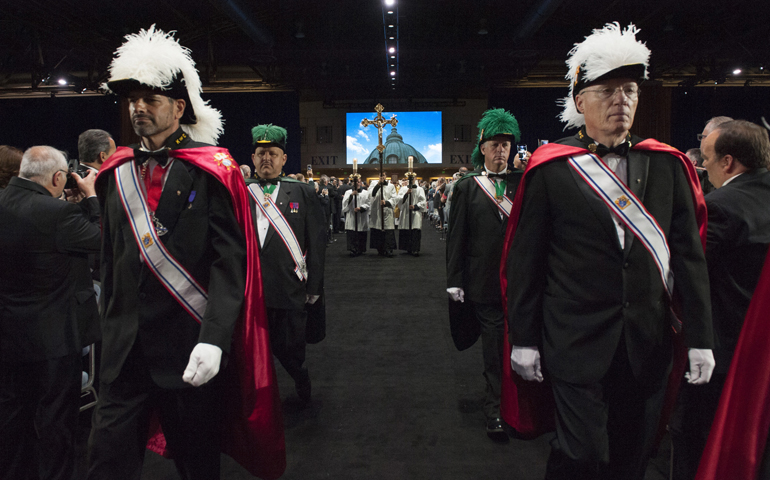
<point>161,358</point>
<point>585,292</point>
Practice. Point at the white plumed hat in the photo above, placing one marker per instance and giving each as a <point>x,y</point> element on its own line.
<point>155,59</point>
<point>609,52</point>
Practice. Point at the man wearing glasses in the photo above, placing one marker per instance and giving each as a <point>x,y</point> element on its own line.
<point>605,222</point>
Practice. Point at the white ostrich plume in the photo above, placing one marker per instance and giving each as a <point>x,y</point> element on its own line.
<point>601,52</point>
<point>153,57</point>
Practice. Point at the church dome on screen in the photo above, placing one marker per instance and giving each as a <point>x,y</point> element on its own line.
<point>396,151</point>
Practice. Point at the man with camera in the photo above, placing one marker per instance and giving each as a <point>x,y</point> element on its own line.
<point>481,203</point>
<point>40,343</point>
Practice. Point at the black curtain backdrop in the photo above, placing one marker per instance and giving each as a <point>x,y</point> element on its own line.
<point>59,121</point>
<point>242,111</point>
<point>535,109</point>
<point>56,121</point>
<point>693,107</point>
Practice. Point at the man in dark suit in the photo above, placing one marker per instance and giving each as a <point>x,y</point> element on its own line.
<point>292,240</point>
<point>584,291</point>
<point>736,155</point>
<point>40,345</point>
<point>174,269</point>
<point>478,218</point>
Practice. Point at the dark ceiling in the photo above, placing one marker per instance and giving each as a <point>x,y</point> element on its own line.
<point>254,45</point>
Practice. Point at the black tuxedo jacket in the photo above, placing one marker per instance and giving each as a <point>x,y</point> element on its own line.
<point>38,240</point>
<point>283,289</point>
<point>475,240</point>
<point>138,312</point>
<point>574,291</point>
<point>737,242</point>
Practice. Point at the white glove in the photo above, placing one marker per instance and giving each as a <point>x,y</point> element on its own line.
<point>203,364</point>
<point>457,294</point>
<point>526,362</point>
<point>701,366</point>
<point>311,299</point>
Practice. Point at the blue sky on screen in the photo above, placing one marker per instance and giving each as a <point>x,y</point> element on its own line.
<point>422,130</point>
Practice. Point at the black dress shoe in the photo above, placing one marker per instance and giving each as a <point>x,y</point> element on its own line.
<point>302,385</point>
<point>495,430</point>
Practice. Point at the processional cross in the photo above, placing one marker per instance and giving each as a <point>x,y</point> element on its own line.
<point>379,122</point>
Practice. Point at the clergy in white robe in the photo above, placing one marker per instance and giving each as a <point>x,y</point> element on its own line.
<point>355,205</point>
<point>381,219</point>
<point>412,203</point>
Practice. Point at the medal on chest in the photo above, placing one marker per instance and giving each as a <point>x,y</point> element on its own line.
<point>268,190</point>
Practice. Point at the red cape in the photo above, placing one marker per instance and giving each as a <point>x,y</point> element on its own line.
<point>528,406</point>
<point>738,434</point>
<point>253,433</point>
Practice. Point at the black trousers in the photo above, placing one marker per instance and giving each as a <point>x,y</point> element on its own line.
<point>409,239</point>
<point>39,406</point>
<point>356,241</point>
<point>605,430</point>
<point>383,241</point>
<point>190,418</point>
<point>492,320</point>
<point>690,423</point>
<point>288,339</point>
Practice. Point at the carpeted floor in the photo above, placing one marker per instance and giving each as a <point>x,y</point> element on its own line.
<point>392,398</point>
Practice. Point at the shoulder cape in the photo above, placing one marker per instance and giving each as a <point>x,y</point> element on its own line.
<point>253,433</point>
<point>528,406</point>
<point>738,436</point>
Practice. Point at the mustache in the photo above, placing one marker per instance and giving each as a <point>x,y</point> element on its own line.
<point>137,116</point>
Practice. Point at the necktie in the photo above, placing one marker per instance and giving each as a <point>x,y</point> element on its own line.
<point>621,149</point>
<point>154,186</point>
<point>160,156</point>
<point>264,181</point>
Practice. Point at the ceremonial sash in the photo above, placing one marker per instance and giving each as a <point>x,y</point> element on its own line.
<point>488,187</point>
<point>179,283</point>
<point>282,227</point>
<point>623,203</point>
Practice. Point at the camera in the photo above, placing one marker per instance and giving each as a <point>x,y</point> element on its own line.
<point>522,151</point>
<point>542,142</point>
<point>74,166</point>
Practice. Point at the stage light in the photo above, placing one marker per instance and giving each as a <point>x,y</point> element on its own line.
<point>737,71</point>
<point>392,49</point>
<point>62,81</point>
<point>390,3</point>
<point>392,74</point>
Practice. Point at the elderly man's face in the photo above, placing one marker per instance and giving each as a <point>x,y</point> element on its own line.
<point>609,106</point>
<point>152,113</point>
<point>268,161</point>
<point>496,151</point>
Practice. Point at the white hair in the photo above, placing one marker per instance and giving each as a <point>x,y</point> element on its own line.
<point>41,162</point>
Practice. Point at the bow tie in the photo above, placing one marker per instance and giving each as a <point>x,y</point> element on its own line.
<point>264,181</point>
<point>493,176</point>
<point>142,156</point>
<point>601,150</point>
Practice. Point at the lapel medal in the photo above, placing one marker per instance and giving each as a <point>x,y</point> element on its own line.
<point>294,207</point>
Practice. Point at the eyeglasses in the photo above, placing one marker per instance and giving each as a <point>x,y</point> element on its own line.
<point>605,93</point>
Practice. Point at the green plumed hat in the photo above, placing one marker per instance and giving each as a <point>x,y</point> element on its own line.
<point>269,136</point>
<point>494,122</point>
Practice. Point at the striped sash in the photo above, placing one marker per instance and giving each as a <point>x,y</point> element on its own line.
<point>623,203</point>
<point>488,187</point>
<point>179,283</point>
<point>282,228</point>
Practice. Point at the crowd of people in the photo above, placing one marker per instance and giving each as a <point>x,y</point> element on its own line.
<point>607,291</point>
